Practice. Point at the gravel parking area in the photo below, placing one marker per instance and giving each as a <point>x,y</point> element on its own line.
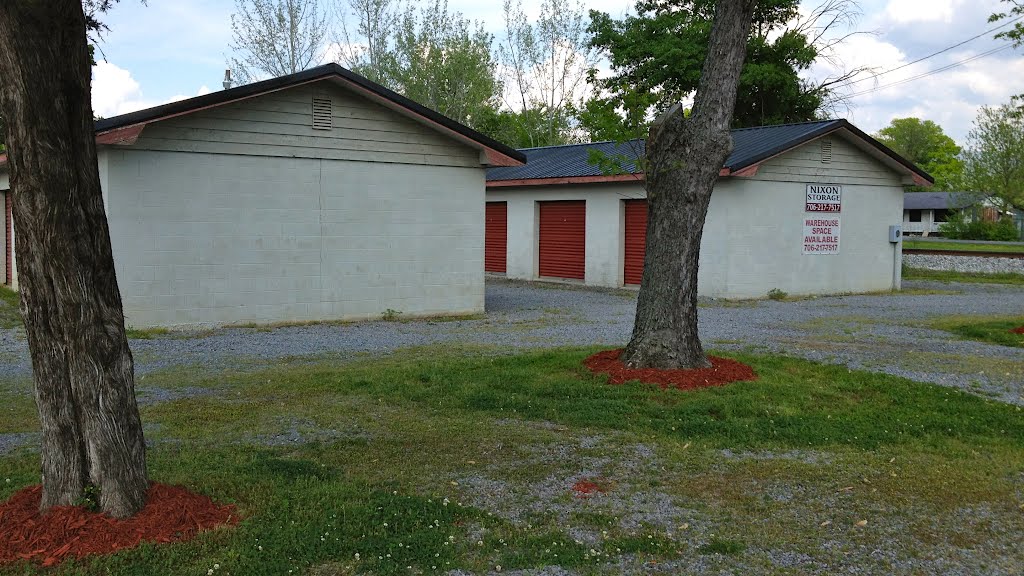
<point>883,333</point>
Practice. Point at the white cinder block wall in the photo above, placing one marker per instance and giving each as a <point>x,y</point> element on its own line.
<point>204,239</point>
<point>753,235</point>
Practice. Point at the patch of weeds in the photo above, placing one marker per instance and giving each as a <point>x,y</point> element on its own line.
<point>145,333</point>
<point>723,546</point>
<point>776,294</point>
<point>390,315</point>
<point>983,329</point>
<point>90,498</point>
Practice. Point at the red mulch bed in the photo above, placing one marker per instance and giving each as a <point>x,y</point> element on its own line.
<point>587,488</point>
<point>171,514</point>
<point>1018,330</point>
<point>723,371</point>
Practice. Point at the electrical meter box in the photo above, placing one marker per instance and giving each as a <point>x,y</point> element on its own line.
<point>895,233</point>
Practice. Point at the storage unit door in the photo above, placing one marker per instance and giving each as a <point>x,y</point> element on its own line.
<point>636,241</point>
<point>8,242</point>
<point>563,229</point>
<point>496,237</point>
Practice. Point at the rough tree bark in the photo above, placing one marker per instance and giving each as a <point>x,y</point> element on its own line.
<point>684,157</point>
<point>82,367</point>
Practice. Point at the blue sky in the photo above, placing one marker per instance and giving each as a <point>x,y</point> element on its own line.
<point>172,49</point>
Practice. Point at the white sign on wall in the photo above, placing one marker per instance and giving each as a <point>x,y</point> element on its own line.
<point>822,206</point>
<point>821,234</point>
<point>824,198</point>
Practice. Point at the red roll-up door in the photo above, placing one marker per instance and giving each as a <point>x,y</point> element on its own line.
<point>636,240</point>
<point>563,230</point>
<point>8,228</point>
<point>496,237</point>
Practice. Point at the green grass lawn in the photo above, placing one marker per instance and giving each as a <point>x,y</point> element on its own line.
<point>991,330</point>
<point>973,278</point>
<point>10,316</point>
<point>438,459</point>
<point>940,245</point>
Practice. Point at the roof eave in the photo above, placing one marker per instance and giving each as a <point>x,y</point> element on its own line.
<point>749,166</point>
<point>496,153</point>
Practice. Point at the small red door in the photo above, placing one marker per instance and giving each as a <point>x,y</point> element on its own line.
<point>563,230</point>
<point>496,237</point>
<point>636,240</point>
<point>9,248</point>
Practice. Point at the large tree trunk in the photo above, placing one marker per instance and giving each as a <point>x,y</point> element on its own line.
<point>82,367</point>
<point>684,157</point>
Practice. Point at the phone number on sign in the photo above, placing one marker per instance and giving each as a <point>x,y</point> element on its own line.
<point>818,207</point>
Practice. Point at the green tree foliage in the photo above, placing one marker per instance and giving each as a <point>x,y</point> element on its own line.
<point>1015,34</point>
<point>276,37</point>
<point>656,58</point>
<point>994,158</point>
<point>545,63</point>
<point>925,144</point>
<point>425,52</point>
<point>444,62</point>
<point>527,128</point>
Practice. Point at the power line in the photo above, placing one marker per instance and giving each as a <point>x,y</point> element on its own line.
<point>934,54</point>
<point>933,72</point>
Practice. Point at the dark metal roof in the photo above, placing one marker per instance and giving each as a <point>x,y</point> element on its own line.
<point>320,72</point>
<point>750,146</point>
<point>937,200</point>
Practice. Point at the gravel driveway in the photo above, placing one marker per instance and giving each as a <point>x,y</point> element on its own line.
<point>883,333</point>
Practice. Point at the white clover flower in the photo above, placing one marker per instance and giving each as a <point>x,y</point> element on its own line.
<point>209,572</point>
<point>216,566</point>
<point>357,555</point>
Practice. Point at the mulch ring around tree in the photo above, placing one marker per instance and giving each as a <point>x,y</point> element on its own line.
<point>171,514</point>
<point>722,371</point>
<point>1018,330</point>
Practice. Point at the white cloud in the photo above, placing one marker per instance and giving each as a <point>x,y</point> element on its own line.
<point>904,11</point>
<point>116,92</point>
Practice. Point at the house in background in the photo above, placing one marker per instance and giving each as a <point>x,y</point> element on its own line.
<point>314,196</point>
<point>925,212</point>
<point>803,208</point>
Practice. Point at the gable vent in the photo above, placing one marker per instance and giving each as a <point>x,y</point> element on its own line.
<point>826,151</point>
<point>323,115</point>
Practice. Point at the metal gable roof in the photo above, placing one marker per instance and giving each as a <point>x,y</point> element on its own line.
<point>750,146</point>
<point>126,128</point>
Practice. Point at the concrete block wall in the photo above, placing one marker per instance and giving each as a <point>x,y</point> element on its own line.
<point>209,239</point>
<point>604,235</point>
<point>752,241</point>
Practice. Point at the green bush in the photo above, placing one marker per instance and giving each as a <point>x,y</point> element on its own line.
<point>959,228</point>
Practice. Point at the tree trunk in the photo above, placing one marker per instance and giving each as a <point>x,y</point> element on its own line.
<point>82,367</point>
<point>684,157</point>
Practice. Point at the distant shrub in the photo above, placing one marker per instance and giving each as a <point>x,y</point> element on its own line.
<point>957,227</point>
<point>776,294</point>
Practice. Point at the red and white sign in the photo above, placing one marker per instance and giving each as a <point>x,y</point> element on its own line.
<point>821,234</point>
<point>824,198</point>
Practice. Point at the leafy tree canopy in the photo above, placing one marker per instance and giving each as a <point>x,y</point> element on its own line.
<point>925,144</point>
<point>1015,34</point>
<point>530,128</point>
<point>994,159</point>
<point>656,58</point>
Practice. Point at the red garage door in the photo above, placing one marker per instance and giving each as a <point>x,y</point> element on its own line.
<point>636,240</point>
<point>563,229</point>
<point>9,245</point>
<point>496,237</point>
